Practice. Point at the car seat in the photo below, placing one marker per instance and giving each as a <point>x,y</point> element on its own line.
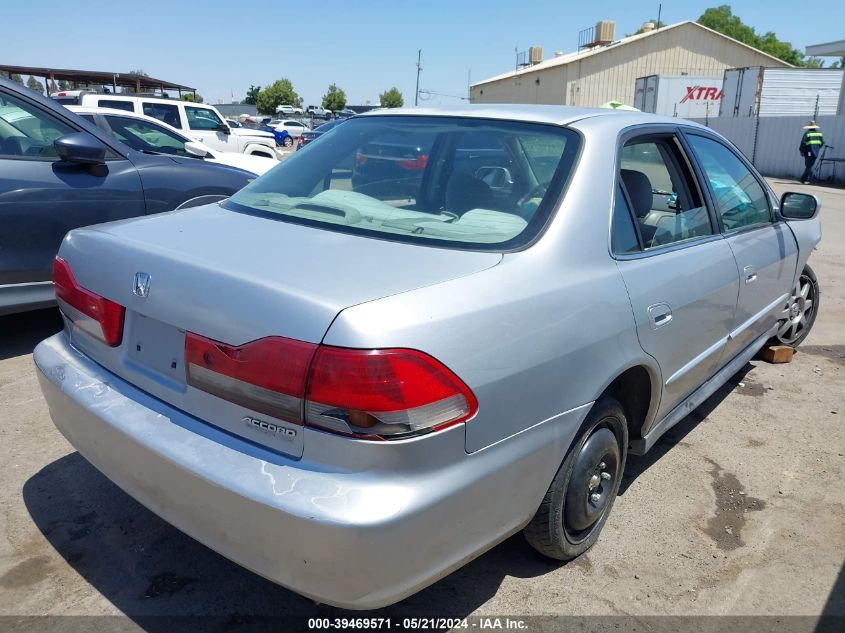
<point>640,191</point>
<point>463,193</point>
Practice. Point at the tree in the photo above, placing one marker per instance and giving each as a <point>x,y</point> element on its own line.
<point>193,98</point>
<point>723,20</point>
<point>252,95</point>
<point>33,84</point>
<point>839,63</point>
<point>13,76</point>
<point>334,99</point>
<point>138,72</point>
<point>391,98</point>
<point>63,85</point>
<point>278,93</point>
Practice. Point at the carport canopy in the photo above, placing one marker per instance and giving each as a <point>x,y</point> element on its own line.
<point>138,83</point>
<point>831,49</point>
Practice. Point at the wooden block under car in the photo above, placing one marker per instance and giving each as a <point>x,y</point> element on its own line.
<point>776,353</point>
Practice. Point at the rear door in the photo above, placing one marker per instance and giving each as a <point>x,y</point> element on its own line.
<point>679,271</point>
<point>42,198</point>
<point>765,250</point>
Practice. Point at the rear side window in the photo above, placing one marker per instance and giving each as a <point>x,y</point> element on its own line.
<point>740,199</point>
<point>461,183</point>
<point>662,195</point>
<point>116,104</point>
<point>167,112</point>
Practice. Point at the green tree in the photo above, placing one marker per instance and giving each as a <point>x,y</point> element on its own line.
<point>278,93</point>
<point>391,98</point>
<point>33,84</point>
<point>13,76</point>
<point>138,72</point>
<point>723,20</point>
<point>334,99</point>
<point>63,85</point>
<point>192,97</point>
<point>252,95</point>
<point>839,63</point>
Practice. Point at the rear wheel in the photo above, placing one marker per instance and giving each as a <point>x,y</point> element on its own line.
<point>579,499</point>
<point>799,314</point>
<point>288,141</point>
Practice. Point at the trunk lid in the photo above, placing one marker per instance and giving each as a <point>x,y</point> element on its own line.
<point>235,278</point>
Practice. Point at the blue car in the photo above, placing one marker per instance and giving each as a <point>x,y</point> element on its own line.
<point>59,172</point>
<point>283,139</point>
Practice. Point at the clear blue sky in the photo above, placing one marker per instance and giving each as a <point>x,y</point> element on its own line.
<point>365,46</point>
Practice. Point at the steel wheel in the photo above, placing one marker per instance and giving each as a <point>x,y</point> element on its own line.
<point>797,317</point>
<point>592,484</point>
<point>288,141</point>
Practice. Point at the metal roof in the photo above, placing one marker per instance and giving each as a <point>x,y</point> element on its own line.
<point>828,49</point>
<point>96,77</point>
<point>579,55</point>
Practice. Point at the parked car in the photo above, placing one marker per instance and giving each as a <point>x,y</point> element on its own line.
<point>146,134</point>
<point>311,135</point>
<point>346,113</point>
<point>318,112</point>
<point>291,126</point>
<point>288,110</point>
<point>198,120</point>
<point>353,395</point>
<point>283,139</point>
<point>59,172</point>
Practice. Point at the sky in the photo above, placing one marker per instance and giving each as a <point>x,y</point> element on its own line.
<point>364,46</point>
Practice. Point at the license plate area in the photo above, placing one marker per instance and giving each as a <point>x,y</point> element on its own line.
<point>156,347</point>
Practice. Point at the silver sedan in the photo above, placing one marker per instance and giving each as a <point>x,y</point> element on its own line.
<point>426,332</point>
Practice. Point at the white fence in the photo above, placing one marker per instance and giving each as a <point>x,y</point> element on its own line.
<point>771,143</point>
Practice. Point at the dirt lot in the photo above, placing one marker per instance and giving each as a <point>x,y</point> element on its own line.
<point>739,510</point>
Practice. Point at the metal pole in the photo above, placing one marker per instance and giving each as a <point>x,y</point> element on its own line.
<point>114,83</point>
<point>419,68</point>
<point>659,11</point>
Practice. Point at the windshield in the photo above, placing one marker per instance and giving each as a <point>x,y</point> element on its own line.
<point>457,182</point>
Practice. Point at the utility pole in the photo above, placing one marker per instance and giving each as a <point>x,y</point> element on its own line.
<point>419,69</point>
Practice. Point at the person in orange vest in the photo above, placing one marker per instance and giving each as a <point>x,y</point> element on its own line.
<point>811,145</point>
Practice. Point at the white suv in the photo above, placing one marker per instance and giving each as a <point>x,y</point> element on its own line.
<point>288,109</point>
<point>197,120</point>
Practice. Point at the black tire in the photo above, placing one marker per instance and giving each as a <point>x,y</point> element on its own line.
<point>568,523</point>
<point>795,328</point>
<point>288,141</point>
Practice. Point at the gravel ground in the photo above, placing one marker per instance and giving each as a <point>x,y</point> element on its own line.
<point>739,510</point>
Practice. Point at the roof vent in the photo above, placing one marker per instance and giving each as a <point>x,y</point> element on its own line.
<point>605,32</point>
<point>647,27</point>
<point>558,53</point>
<point>535,54</point>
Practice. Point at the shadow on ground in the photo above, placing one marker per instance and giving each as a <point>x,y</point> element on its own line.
<point>148,568</point>
<point>20,333</point>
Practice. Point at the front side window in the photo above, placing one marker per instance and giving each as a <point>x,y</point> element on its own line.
<point>661,193</point>
<point>740,199</point>
<point>462,183</point>
<point>145,136</point>
<point>201,118</point>
<point>27,131</point>
<point>167,112</point>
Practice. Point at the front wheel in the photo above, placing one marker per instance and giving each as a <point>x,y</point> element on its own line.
<point>288,141</point>
<point>579,499</point>
<point>797,317</point>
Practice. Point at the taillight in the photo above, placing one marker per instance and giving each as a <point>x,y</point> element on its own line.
<point>415,165</point>
<point>388,393</point>
<point>267,375</point>
<point>360,159</point>
<point>374,394</point>
<point>105,318</point>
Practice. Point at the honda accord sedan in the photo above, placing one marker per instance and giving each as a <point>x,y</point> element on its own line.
<point>353,386</point>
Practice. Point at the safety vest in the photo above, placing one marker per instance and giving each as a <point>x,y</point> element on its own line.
<point>813,138</point>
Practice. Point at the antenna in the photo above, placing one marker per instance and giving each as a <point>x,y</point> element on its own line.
<point>419,70</point>
<point>659,11</point>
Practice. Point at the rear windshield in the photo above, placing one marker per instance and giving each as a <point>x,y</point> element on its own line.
<point>457,182</point>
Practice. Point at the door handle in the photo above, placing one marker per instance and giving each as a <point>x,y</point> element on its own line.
<point>750,274</point>
<point>659,315</point>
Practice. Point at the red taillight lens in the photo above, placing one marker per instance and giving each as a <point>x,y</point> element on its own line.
<point>415,165</point>
<point>386,393</point>
<point>376,394</point>
<point>107,314</point>
<point>360,159</point>
<point>267,375</point>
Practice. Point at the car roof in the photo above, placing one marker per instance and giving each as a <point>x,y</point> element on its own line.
<point>554,114</point>
<point>127,114</point>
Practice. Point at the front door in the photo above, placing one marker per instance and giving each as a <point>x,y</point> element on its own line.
<point>42,198</point>
<point>204,124</point>
<point>680,273</point>
<point>766,252</point>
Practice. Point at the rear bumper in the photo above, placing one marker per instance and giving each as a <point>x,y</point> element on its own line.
<point>356,540</point>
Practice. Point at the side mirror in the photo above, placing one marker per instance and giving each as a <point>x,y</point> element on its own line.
<point>80,148</point>
<point>196,149</point>
<point>799,206</point>
<point>222,127</point>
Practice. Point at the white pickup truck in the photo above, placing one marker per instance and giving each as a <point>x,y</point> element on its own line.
<point>199,121</point>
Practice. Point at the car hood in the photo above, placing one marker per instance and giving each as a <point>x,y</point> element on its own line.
<point>255,164</point>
